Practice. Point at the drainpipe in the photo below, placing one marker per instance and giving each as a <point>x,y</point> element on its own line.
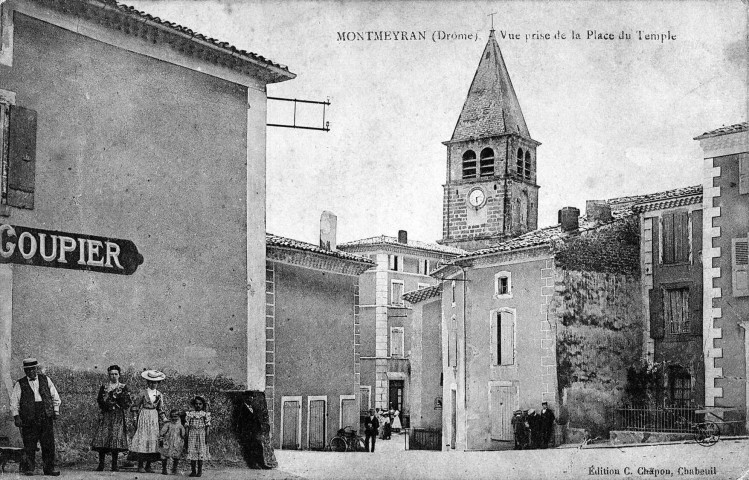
<point>465,364</point>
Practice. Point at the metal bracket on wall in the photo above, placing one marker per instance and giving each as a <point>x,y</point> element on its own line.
<point>325,124</point>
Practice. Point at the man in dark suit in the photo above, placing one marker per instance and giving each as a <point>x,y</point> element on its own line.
<point>35,404</point>
<point>547,424</point>
<point>371,427</point>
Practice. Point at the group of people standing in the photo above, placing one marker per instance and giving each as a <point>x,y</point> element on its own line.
<point>382,424</point>
<point>35,404</point>
<point>533,429</point>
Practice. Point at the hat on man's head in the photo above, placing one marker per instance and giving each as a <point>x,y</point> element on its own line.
<point>30,363</point>
<point>153,375</point>
<point>545,403</point>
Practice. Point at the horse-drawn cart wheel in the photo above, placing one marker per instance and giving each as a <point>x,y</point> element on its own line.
<point>707,434</point>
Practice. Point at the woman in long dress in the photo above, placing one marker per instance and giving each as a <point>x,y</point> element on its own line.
<point>397,421</point>
<point>111,431</point>
<point>149,403</point>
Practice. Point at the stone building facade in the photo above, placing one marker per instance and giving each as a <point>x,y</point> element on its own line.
<point>726,266</point>
<point>125,132</point>
<point>313,342</point>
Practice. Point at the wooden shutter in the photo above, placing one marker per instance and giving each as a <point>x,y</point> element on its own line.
<point>494,340</point>
<point>668,238</point>
<point>507,336</point>
<point>681,237</point>
<point>21,157</point>
<point>744,173</point>
<point>740,267</point>
<point>656,313</point>
<point>695,307</point>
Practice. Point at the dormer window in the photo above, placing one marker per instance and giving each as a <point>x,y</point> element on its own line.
<point>520,163</point>
<point>487,163</point>
<point>469,164</point>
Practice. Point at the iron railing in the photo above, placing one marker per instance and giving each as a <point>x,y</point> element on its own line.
<point>663,419</point>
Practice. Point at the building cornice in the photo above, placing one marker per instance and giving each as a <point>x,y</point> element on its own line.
<point>315,261</point>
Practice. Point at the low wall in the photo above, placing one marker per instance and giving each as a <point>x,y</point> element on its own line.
<point>622,437</point>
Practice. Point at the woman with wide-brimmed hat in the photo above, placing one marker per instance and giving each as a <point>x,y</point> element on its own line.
<point>149,403</point>
<point>111,432</point>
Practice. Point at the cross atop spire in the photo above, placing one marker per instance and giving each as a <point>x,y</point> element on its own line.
<point>491,107</point>
<point>492,15</point>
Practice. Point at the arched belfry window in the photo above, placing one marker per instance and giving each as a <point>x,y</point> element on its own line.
<point>469,164</point>
<point>520,163</point>
<point>528,165</point>
<point>487,163</point>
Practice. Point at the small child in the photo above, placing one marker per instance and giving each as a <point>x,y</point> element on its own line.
<point>198,423</point>
<point>171,441</point>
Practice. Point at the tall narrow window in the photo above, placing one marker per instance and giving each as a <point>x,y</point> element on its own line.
<point>520,163</point>
<point>396,293</point>
<point>740,267</point>
<point>423,268</point>
<point>675,237</point>
<point>487,163</point>
<point>469,164</point>
<point>680,383</point>
<point>676,310</point>
<point>396,341</point>
<point>503,338</point>
<point>394,263</point>
<point>503,284</point>
<point>528,165</point>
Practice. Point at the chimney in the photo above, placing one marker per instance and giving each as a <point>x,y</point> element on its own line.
<point>402,236</point>
<point>328,224</point>
<point>569,218</point>
<point>598,210</point>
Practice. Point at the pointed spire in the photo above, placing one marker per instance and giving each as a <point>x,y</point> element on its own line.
<point>491,107</point>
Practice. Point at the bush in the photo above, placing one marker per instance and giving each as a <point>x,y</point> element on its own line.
<point>80,412</point>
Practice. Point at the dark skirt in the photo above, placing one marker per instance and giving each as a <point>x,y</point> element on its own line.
<point>111,432</point>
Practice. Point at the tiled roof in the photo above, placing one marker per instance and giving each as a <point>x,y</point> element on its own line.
<point>278,241</point>
<point>491,106</point>
<point>735,128</point>
<point>417,296</point>
<point>669,199</point>
<point>386,240</point>
<point>135,22</point>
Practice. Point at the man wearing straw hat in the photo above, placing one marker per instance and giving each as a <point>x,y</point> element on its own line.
<point>35,404</point>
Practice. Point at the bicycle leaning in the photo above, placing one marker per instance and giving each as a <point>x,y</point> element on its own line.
<point>346,440</point>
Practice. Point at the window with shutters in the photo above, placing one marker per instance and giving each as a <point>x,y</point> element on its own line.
<point>17,153</point>
<point>487,163</point>
<point>675,238</point>
<point>396,292</point>
<point>365,392</point>
<point>396,341</point>
<point>503,337</point>
<point>528,165</point>
<point>469,164</point>
<point>519,165</point>
<point>740,266</point>
<point>676,310</point>
<point>423,267</point>
<point>395,263</point>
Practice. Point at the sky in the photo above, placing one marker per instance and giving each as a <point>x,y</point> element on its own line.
<point>615,117</point>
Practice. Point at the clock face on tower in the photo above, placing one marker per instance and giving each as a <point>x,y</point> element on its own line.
<point>476,198</point>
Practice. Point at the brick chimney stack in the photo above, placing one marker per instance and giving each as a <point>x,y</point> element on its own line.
<point>569,218</point>
<point>328,227</point>
<point>402,236</point>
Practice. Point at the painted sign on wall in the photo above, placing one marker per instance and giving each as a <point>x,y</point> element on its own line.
<point>46,248</point>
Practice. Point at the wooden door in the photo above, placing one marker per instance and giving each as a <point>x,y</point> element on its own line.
<point>317,414</point>
<point>349,413</point>
<point>503,401</point>
<point>290,420</point>
<point>395,393</point>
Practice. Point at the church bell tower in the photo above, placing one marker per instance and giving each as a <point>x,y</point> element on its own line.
<point>491,193</point>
